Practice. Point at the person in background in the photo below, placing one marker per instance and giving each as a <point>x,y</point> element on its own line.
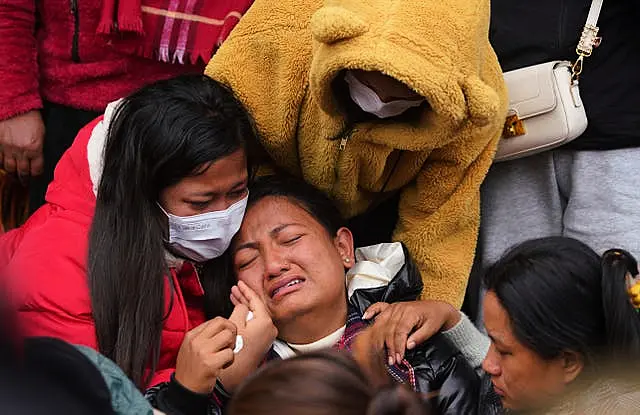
<point>583,190</point>
<point>394,111</point>
<point>319,383</point>
<point>63,61</point>
<point>560,323</point>
<point>563,330</point>
<point>121,257</point>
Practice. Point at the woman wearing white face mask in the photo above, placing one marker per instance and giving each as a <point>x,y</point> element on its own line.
<point>393,109</point>
<point>164,177</point>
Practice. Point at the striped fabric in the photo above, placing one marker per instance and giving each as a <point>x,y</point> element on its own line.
<point>173,31</point>
<point>400,373</point>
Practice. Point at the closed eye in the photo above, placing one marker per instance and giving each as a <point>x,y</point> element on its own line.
<point>292,240</point>
<point>503,352</point>
<point>245,264</point>
<point>199,205</point>
<point>236,194</point>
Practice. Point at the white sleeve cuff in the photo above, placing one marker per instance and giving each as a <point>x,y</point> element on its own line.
<point>473,345</point>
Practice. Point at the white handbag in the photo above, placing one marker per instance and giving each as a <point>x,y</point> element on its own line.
<point>545,109</point>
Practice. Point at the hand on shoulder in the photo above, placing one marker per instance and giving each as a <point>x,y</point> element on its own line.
<point>402,326</point>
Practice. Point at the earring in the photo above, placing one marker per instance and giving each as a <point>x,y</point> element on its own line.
<point>347,260</point>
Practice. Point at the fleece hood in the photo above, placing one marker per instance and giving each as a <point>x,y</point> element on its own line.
<point>439,49</point>
<point>286,62</point>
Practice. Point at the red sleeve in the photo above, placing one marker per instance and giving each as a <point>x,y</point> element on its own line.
<point>18,58</point>
<point>48,282</point>
<point>59,324</point>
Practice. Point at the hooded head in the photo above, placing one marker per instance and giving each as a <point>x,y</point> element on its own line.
<point>439,50</point>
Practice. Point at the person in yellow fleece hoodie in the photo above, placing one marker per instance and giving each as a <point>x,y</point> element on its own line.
<point>366,99</point>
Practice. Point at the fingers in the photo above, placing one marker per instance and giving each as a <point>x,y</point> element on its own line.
<point>370,357</point>
<point>374,310</point>
<point>221,359</point>
<point>219,325</point>
<point>423,333</point>
<point>23,168</point>
<point>238,296</point>
<point>404,325</point>
<point>224,339</point>
<point>378,333</point>
<point>210,328</point>
<point>9,162</point>
<point>37,165</point>
<point>399,325</point>
<point>255,302</point>
<point>239,315</point>
<point>234,300</point>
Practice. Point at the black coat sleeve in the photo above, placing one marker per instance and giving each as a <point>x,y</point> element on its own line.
<point>174,399</point>
<point>444,378</point>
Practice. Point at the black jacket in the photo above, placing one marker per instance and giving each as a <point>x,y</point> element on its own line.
<point>525,33</point>
<point>438,365</point>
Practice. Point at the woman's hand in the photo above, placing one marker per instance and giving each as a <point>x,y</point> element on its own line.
<point>258,334</point>
<point>402,326</point>
<point>370,355</point>
<point>205,351</point>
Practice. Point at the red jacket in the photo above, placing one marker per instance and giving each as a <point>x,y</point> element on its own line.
<point>39,63</point>
<point>45,262</point>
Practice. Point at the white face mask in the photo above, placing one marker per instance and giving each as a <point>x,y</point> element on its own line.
<point>367,99</point>
<point>205,236</point>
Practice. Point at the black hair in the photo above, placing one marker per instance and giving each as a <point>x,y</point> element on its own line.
<point>160,134</point>
<point>318,383</point>
<point>300,193</point>
<point>562,296</point>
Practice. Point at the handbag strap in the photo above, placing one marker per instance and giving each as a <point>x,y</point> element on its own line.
<point>588,39</point>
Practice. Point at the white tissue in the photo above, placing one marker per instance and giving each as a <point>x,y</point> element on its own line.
<point>239,344</point>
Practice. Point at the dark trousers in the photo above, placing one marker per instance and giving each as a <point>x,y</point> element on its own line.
<point>61,127</point>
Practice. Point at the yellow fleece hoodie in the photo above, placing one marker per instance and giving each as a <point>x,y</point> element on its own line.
<point>286,59</point>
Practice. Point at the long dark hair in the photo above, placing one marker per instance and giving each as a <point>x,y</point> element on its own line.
<point>318,383</point>
<point>159,135</point>
<point>560,295</point>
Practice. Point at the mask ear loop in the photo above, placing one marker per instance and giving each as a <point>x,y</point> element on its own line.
<point>162,209</point>
<point>167,236</point>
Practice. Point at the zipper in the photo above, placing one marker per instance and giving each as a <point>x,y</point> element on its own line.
<point>75,55</point>
<point>343,144</point>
